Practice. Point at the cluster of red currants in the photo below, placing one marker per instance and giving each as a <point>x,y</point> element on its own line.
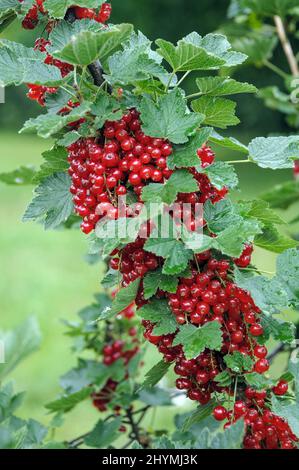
<point>101,16</point>
<point>38,92</point>
<point>264,429</point>
<point>113,352</point>
<point>32,17</point>
<point>103,170</point>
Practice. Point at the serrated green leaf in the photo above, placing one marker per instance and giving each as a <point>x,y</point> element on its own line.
<point>221,215</point>
<point>181,181</point>
<point>261,210</point>
<point>223,86</point>
<point>55,161</point>
<point>288,274</point>
<point>169,118</point>
<point>124,297</point>
<point>155,374</point>
<point>278,329</point>
<point>18,344</point>
<point>218,112</point>
<point>228,142</point>
<point>158,312</point>
<point>186,156</point>
<point>157,280</point>
<point>223,379</point>
<point>52,201</point>
<point>20,64</point>
<point>85,46</point>
<point>194,52</point>
<point>106,109</point>
<point>257,381</point>
<point>68,402</point>
<point>136,63</point>
<point>48,124</point>
<point>271,239</point>
<point>20,177</point>
<point>257,45</point>
<point>195,340</point>
<point>274,152</point>
<point>268,294</point>
<point>238,362</point>
<point>221,175</point>
<point>103,434</point>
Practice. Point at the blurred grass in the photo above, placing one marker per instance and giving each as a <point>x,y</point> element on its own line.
<point>43,273</point>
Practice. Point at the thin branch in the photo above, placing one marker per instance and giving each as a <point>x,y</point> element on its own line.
<point>279,348</point>
<point>288,50</point>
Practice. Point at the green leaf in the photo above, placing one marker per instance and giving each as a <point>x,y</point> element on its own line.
<point>283,195</point>
<point>224,379</point>
<point>155,374</point>
<point>221,175</point>
<point>8,7</point>
<point>288,274</point>
<point>261,210</point>
<point>271,239</point>
<point>223,86</point>
<point>231,438</point>
<point>274,152</point>
<point>218,112</point>
<point>257,45</point>
<point>195,340</point>
<point>48,124</point>
<point>82,47</point>
<point>20,64</point>
<point>157,280</point>
<point>52,201</point>
<point>22,176</point>
<point>221,215</point>
<point>238,362</point>
<point>278,329</point>
<point>185,155</point>
<point>68,402</point>
<point>169,117</point>
<point>58,8</point>
<point>136,62</point>
<point>173,250</point>
<point>88,372</point>
<point>158,312</point>
<point>288,412</point>
<point>18,344</point>
<point>181,181</point>
<point>270,7</point>
<point>103,434</point>
<point>194,52</point>
<point>275,99</point>
<point>257,381</point>
<point>155,396</point>
<point>198,415</point>
<point>231,240</point>
<point>228,142</point>
<point>124,297</point>
<point>55,161</point>
<point>268,294</point>
<point>106,109</point>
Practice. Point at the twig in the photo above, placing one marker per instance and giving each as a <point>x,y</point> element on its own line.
<point>288,50</point>
<point>134,426</point>
<point>279,348</point>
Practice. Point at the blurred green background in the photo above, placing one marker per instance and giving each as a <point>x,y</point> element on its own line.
<point>44,273</point>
